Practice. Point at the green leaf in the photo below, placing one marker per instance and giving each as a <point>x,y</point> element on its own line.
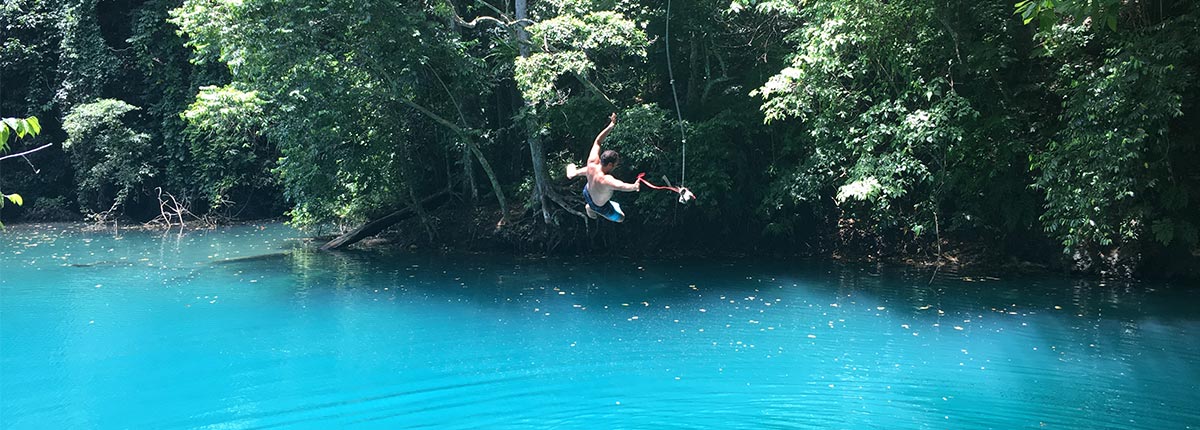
<point>1164,231</point>
<point>15,198</point>
<point>1111,20</point>
<point>1186,232</point>
<point>34,125</point>
<point>12,123</point>
<point>3,137</point>
<point>1046,21</point>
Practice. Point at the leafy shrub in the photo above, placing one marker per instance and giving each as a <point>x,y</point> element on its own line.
<point>228,147</point>
<point>112,160</point>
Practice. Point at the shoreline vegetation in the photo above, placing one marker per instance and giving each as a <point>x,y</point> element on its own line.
<point>971,260</point>
<point>1007,135</point>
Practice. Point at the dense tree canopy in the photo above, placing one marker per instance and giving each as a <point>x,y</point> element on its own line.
<point>870,127</point>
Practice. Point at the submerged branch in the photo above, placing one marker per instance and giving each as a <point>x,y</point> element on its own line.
<point>374,227</point>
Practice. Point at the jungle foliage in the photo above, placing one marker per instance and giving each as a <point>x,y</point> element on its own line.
<point>1035,127</point>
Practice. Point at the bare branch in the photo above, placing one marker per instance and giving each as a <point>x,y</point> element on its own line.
<point>594,89</point>
<point>466,135</point>
<point>27,152</point>
<point>506,22</point>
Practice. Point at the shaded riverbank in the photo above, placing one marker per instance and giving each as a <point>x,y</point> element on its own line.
<point>455,234</point>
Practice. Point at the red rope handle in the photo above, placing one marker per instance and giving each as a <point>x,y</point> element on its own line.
<point>641,178</point>
<point>684,194</point>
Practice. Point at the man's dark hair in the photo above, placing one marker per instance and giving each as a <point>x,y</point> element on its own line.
<point>609,157</point>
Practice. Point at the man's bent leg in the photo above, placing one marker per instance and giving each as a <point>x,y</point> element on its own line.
<point>617,214</point>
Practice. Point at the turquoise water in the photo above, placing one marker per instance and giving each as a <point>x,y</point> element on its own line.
<point>152,331</point>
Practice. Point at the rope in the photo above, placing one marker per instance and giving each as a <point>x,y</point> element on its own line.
<point>643,180</point>
<point>685,195</point>
<point>675,95</point>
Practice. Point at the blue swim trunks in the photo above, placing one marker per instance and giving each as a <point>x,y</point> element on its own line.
<point>610,210</point>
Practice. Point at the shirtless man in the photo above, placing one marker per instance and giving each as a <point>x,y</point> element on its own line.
<point>600,185</point>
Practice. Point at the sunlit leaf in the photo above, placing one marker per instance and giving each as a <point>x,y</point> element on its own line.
<point>34,124</point>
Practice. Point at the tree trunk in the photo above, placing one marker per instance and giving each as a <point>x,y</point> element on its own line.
<point>374,227</point>
<point>487,168</point>
<point>537,153</point>
<point>541,184</point>
<point>469,187</point>
<point>522,35</point>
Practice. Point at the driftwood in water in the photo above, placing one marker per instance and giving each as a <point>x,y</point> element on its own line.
<point>374,227</point>
<point>255,258</point>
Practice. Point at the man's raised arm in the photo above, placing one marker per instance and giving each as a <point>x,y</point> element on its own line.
<point>594,156</point>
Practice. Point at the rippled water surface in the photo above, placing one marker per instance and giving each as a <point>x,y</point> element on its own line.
<point>241,328</point>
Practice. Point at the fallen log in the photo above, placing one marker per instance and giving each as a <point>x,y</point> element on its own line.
<point>374,227</point>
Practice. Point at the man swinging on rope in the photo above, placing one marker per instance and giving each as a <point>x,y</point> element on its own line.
<point>600,185</point>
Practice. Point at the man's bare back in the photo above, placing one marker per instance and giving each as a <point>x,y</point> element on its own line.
<point>600,184</point>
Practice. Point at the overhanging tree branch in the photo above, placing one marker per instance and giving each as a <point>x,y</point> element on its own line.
<point>506,22</point>
<point>26,152</point>
<point>594,89</point>
<point>462,132</point>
